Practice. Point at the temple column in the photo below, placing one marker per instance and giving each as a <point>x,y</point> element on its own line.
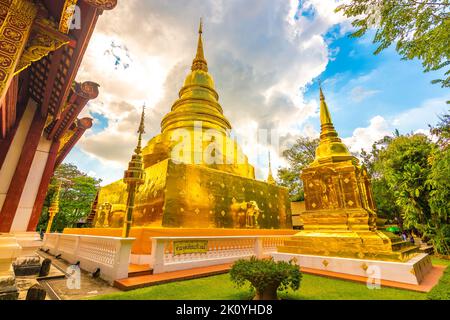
<point>43,187</point>
<point>22,169</point>
<point>31,187</point>
<point>14,151</point>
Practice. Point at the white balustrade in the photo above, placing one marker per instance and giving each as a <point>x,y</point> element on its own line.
<point>110,254</point>
<point>220,250</point>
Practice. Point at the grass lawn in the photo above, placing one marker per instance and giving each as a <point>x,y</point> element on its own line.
<point>221,288</point>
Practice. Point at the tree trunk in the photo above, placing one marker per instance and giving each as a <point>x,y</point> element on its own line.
<point>269,293</point>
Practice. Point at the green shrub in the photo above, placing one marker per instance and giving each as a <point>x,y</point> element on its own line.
<point>442,290</point>
<point>266,276</point>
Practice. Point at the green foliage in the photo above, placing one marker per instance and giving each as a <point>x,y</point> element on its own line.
<point>410,179</point>
<point>442,131</point>
<point>404,166</point>
<point>78,191</point>
<point>419,28</point>
<point>299,156</point>
<point>265,272</point>
<point>442,290</point>
<point>385,200</point>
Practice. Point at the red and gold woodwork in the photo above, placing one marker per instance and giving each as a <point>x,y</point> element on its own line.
<point>40,55</point>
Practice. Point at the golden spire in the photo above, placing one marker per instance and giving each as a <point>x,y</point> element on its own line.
<point>270,179</point>
<point>331,148</point>
<point>54,206</point>
<point>141,131</point>
<point>325,117</point>
<point>198,100</point>
<point>199,62</point>
<point>133,177</point>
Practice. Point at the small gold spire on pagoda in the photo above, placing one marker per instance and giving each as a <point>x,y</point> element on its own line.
<point>199,62</point>
<point>133,178</point>
<point>270,178</point>
<point>54,207</point>
<point>331,149</point>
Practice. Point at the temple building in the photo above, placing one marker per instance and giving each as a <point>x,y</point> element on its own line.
<point>196,175</point>
<point>339,221</point>
<point>42,44</point>
<point>340,216</point>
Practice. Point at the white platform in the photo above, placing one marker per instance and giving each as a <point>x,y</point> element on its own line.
<point>29,241</point>
<point>9,248</point>
<point>412,271</point>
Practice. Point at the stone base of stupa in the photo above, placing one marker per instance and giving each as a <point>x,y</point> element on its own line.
<point>412,271</point>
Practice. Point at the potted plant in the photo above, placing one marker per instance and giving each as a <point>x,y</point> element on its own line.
<point>266,276</point>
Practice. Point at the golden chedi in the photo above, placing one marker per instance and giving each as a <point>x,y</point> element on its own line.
<point>196,175</point>
<point>340,217</point>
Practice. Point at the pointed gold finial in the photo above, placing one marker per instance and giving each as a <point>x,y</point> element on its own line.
<point>325,117</point>
<point>199,62</point>
<point>270,178</point>
<point>331,148</point>
<point>141,131</point>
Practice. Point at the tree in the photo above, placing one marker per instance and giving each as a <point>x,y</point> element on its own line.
<point>299,156</point>
<point>405,167</point>
<point>442,131</point>
<point>439,184</point>
<point>410,181</point>
<point>420,29</point>
<point>78,191</point>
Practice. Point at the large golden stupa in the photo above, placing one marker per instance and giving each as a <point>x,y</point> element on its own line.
<point>196,175</point>
<point>340,216</point>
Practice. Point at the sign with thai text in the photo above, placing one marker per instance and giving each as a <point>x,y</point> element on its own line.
<point>190,246</point>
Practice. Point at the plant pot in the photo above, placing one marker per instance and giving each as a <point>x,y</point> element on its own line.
<point>269,293</point>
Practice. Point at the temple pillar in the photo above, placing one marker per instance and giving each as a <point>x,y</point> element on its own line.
<point>14,151</point>
<point>22,170</point>
<point>43,187</point>
<point>30,190</point>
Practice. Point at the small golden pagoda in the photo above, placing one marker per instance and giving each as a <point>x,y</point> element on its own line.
<point>196,175</point>
<point>340,216</point>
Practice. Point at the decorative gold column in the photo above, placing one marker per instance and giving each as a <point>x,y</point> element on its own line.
<point>133,178</point>
<point>54,208</point>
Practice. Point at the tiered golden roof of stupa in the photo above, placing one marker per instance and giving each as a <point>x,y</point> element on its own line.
<point>193,116</point>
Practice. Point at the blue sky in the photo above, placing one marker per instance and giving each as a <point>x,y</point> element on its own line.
<point>266,57</point>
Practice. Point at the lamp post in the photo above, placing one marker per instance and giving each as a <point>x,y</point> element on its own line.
<point>133,178</point>
<point>54,207</point>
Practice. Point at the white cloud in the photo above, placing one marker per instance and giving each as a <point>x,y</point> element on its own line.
<point>359,93</point>
<point>414,120</point>
<point>363,138</point>
<point>420,117</point>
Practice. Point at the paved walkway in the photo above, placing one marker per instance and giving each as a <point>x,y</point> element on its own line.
<point>23,283</point>
<point>61,289</point>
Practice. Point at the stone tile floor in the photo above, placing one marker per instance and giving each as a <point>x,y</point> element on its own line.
<point>63,289</point>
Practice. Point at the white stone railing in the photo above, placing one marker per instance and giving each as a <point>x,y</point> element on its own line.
<point>110,254</point>
<point>221,250</point>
